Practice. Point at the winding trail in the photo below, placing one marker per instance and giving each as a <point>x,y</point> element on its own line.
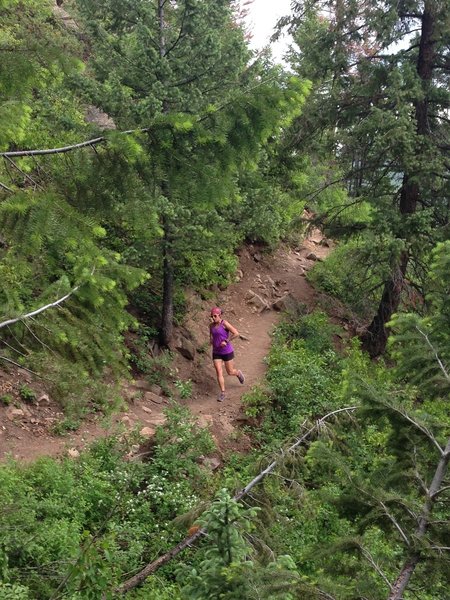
<point>29,436</point>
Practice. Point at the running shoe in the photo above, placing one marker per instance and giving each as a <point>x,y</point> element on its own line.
<point>241,377</point>
<point>221,397</point>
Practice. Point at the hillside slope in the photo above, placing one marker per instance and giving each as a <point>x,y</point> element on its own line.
<point>27,430</point>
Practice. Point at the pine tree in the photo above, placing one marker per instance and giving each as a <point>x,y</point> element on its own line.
<point>380,73</point>
<point>63,289</point>
<point>180,70</point>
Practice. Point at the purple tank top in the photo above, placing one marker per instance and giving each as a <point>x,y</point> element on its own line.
<point>219,335</point>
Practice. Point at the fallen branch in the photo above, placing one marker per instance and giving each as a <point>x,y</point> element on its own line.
<point>22,367</point>
<point>93,142</point>
<point>39,310</point>
<point>413,559</point>
<point>191,539</point>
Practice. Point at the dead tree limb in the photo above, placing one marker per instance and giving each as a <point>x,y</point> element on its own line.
<point>413,559</point>
<point>192,539</point>
<point>39,310</point>
<point>64,149</point>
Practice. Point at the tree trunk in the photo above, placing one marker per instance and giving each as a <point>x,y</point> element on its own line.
<point>165,334</point>
<point>400,584</point>
<point>375,337</point>
<point>166,331</point>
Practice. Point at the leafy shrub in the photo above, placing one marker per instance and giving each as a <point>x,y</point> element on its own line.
<point>352,284</point>
<point>13,592</point>
<point>256,401</point>
<point>6,399</point>
<point>100,513</point>
<point>77,390</point>
<point>66,425</point>
<point>303,383</point>
<point>27,394</point>
<point>184,388</point>
<point>315,329</point>
<point>160,370</point>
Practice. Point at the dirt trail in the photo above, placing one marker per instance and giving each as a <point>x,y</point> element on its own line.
<point>26,434</point>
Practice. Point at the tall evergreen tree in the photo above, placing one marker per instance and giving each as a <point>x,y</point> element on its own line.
<point>380,102</point>
<point>181,69</point>
<point>52,251</point>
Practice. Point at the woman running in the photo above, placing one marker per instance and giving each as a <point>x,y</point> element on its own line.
<point>221,333</point>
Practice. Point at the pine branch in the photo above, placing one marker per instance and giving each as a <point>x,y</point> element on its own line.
<point>64,149</point>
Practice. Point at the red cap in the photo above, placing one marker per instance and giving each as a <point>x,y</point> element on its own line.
<point>216,311</point>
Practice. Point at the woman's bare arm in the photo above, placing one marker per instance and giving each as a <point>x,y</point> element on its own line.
<point>232,330</point>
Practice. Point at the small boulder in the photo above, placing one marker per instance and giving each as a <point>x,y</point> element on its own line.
<point>147,432</point>
<point>185,347</point>
<point>73,453</point>
<point>156,389</point>
<point>259,303</point>
<point>140,384</point>
<point>312,256</point>
<point>211,462</point>
<point>286,302</point>
<point>151,397</point>
<point>14,413</point>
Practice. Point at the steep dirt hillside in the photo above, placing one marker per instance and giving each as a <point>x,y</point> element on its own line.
<point>252,304</point>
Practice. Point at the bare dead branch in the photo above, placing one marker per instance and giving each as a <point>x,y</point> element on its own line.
<point>35,183</point>
<point>395,523</point>
<point>6,188</point>
<point>192,539</point>
<point>441,491</point>
<point>436,355</point>
<point>21,367</point>
<point>39,310</point>
<point>418,426</point>
<point>372,561</point>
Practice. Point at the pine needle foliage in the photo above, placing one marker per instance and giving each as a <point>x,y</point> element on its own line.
<point>52,248</point>
<point>421,343</point>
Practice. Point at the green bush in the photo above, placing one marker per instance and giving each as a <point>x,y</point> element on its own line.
<point>351,285</point>
<point>256,401</point>
<point>27,394</point>
<point>6,399</point>
<point>184,388</point>
<point>100,513</point>
<point>314,329</point>
<point>13,592</point>
<point>303,383</point>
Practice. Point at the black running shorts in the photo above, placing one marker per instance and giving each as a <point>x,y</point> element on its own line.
<point>224,357</point>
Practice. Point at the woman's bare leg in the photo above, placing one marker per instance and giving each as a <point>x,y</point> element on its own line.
<point>229,366</point>
<point>219,373</point>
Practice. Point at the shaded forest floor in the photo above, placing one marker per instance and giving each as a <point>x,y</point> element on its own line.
<point>27,430</point>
